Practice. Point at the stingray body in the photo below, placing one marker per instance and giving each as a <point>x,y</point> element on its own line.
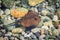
<point>30,19</point>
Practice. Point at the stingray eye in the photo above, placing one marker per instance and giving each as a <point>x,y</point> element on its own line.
<point>35,18</point>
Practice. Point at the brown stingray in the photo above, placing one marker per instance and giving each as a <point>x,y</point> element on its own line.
<point>30,19</point>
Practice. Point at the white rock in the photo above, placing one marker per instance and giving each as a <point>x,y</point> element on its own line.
<point>1,12</point>
<point>7,11</point>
